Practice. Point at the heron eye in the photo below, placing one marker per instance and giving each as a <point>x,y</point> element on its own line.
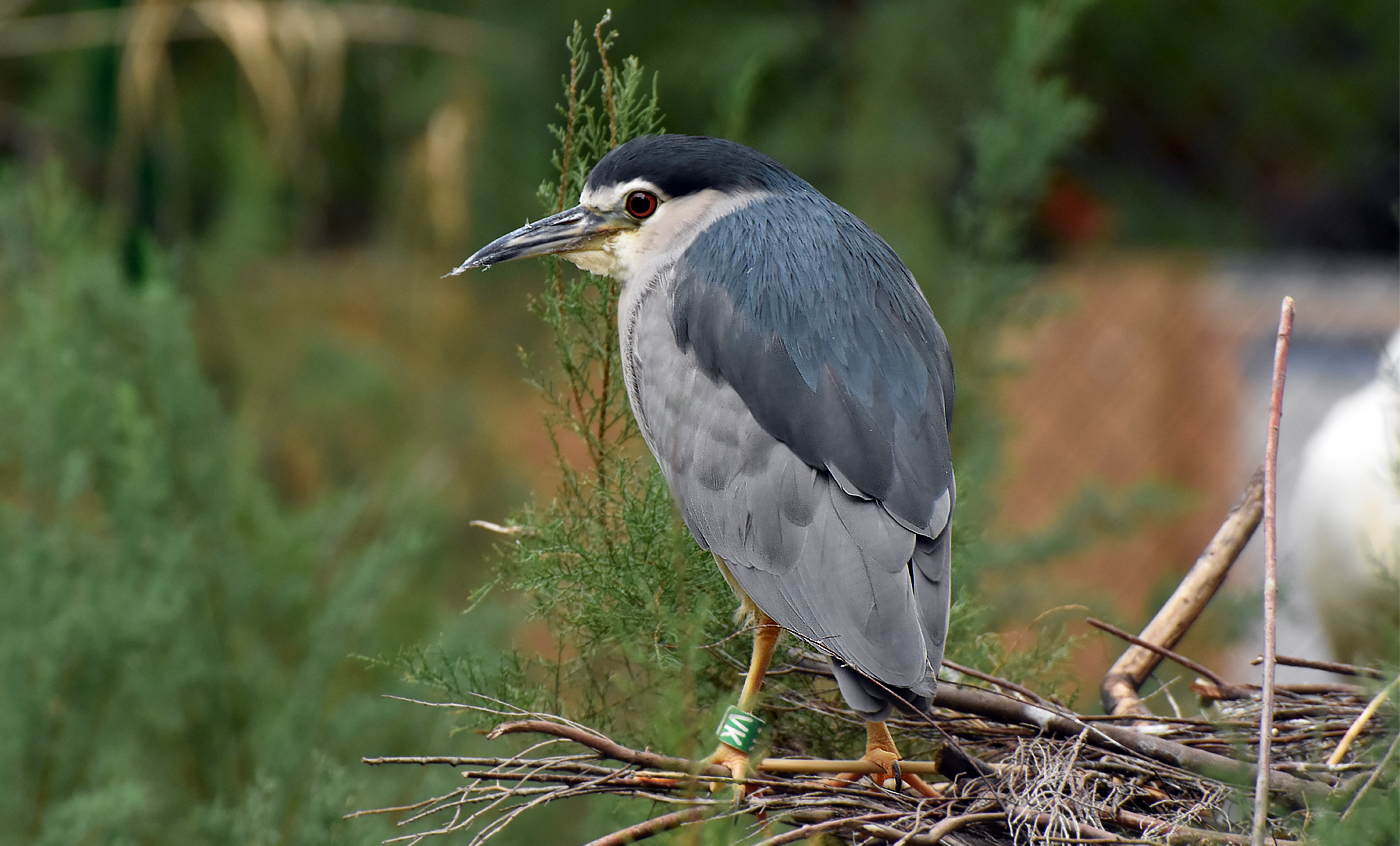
<point>641,204</point>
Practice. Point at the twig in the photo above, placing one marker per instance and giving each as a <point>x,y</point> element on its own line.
<point>949,825</point>
<point>1360,723</point>
<point>1183,833</point>
<point>508,531</point>
<point>1160,650</point>
<point>609,103</point>
<point>1207,690</point>
<point>1266,708</point>
<point>610,748</point>
<point>807,831</point>
<point>651,828</point>
<point>998,681</point>
<point>1324,666</point>
<point>610,301</point>
<point>1375,775</point>
<point>1085,832</point>
<point>822,765</point>
<point>1127,675</point>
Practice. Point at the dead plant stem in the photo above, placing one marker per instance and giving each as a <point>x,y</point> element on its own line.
<point>1266,703</point>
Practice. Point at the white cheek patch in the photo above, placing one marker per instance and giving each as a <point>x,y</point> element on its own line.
<point>640,253</point>
<point>662,240</point>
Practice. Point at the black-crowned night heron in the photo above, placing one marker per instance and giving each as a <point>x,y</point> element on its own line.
<point>792,382</point>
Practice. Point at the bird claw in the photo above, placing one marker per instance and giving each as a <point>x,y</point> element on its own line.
<point>738,765</point>
<point>888,762</point>
<point>890,776</point>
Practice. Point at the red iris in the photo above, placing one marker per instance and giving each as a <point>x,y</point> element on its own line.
<point>641,204</point>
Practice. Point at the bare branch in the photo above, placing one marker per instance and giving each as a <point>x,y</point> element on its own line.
<point>1127,675</point>
<point>1324,666</point>
<point>1160,650</point>
<point>1266,707</point>
<point>651,828</point>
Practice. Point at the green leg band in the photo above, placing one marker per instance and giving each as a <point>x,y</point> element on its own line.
<point>739,729</point>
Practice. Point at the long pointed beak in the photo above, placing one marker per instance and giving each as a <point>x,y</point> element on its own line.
<point>569,230</point>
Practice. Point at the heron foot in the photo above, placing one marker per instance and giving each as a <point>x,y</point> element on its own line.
<point>881,751</point>
<point>737,763</point>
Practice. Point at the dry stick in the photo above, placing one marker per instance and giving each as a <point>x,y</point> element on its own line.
<point>611,748</point>
<point>823,765</point>
<point>1183,833</point>
<point>616,751</point>
<point>1004,709</point>
<point>1160,650</point>
<point>1375,776</point>
<point>1130,671</point>
<point>998,681</point>
<point>1207,690</point>
<point>1360,723</point>
<point>1324,666</point>
<point>1266,702</point>
<point>933,836</point>
<point>1085,832</point>
<point>651,828</point>
<point>948,825</point>
<point>836,824</point>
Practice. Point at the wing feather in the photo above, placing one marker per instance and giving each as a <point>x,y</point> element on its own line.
<point>828,563</point>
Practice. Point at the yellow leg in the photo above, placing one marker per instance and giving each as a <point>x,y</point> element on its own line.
<point>765,639</point>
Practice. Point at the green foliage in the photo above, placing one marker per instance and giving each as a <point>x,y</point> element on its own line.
<point>1369,819</point>
<point>172,640</point>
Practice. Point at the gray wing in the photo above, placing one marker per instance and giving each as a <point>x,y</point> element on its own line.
<point>829,343</point>
<point>790,481</point>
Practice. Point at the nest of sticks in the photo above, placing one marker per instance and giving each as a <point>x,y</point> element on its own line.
<point>1011,766</point>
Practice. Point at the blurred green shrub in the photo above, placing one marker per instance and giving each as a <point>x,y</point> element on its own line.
<point>172,638</point>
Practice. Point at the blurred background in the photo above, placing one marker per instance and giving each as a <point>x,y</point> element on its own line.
<point>245,425</point>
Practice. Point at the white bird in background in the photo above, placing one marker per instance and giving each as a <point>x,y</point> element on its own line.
<point>1346,526</point>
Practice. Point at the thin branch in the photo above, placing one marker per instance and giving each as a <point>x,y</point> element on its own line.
<point>1266,708</point>
<point>1084,832</point>
<point>651,828</point>
<point>1375,775</point>
<point>949,825</point>
<point>610,748</point>
<point>807,831</point>
<point>1160,650</point>
<point>825,765</point>
<point>1127,675</point>
<point>1360,723</point>
<point>1324,666</point>
<point>609,102</point>
<point>999,682</point>
<point>1183,833</point>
